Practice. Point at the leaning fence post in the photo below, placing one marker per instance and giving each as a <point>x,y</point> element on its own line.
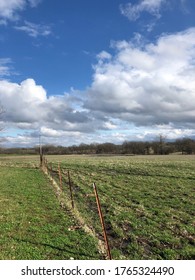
<point>60,175</point>
<point>102,221</point>
<point>71,193</point>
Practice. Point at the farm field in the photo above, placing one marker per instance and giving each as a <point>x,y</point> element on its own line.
<point>147,203</point>
<point>32,224</point>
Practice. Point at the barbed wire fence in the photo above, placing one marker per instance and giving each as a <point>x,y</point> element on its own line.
<point>83,201</point>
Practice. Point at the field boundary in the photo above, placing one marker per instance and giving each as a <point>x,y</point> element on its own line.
<point>68,204</point>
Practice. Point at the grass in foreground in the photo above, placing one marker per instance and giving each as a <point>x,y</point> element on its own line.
<point>32,224</point>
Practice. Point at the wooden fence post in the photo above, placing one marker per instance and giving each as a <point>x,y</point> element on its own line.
<point>102,222</point>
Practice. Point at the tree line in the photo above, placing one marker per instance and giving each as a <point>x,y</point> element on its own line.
<point>160,147</point>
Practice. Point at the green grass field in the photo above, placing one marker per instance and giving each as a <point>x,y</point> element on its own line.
<point>32,224</point>
<point>147,201</point>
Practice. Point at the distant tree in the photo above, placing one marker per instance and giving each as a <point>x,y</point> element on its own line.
<point>136,147</point>
<point>161,144</point>
<point>185,146</point>
<point>179,145</point>
<point>126,147</point>
<point>106,148</point>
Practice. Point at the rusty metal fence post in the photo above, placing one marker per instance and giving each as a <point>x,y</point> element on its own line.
<point>102,222</point>
<point>71,192</point>
<point>60,175</point>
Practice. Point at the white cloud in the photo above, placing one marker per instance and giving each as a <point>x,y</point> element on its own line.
<point>148,85</point>
<point>21,101</point>
<point>110,125</point>
<point>34,30</point>
<point>5,67</point>
<point>34,3</point>
<point>9,9</point>
<point>19,141</point>
<point>27,91</point>
<point>52,133</point>
<point>28,107</point>
<point>133,12</point>
<point>104,55</point>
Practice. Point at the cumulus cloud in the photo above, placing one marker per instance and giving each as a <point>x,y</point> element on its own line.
<point>133,12</point>
<point>28,103</point>
<point>34,30</point>
<point>141,90</point>
<point>21,101</point>
<point>29,108</point>
<point>148,84</point>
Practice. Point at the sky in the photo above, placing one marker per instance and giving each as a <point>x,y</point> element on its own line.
<point>95,71</point>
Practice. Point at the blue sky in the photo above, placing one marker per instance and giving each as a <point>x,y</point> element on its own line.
<point>81,71</point>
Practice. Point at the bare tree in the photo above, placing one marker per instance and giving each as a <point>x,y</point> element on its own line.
<point>161,144</point>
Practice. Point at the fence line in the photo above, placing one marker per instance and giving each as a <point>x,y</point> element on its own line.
<point>65,182</point>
